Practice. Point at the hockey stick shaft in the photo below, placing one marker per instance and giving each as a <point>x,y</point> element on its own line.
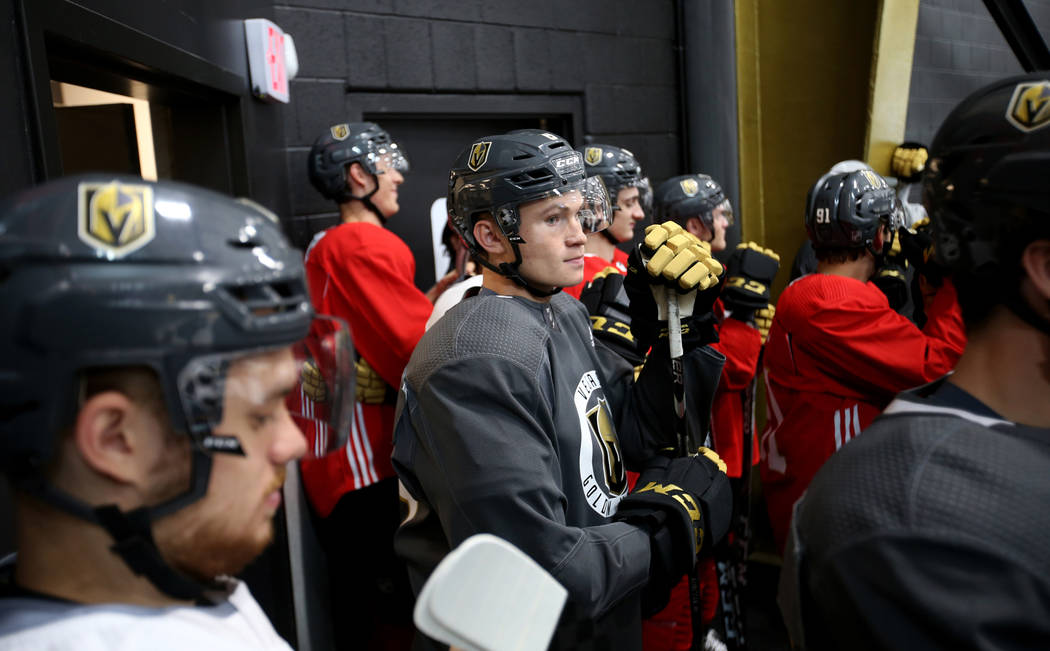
<point>674,342</point>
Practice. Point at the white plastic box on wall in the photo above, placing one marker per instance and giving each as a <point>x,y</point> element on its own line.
<point>272,60</point>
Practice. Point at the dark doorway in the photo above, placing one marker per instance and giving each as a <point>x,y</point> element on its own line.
<point>98,139</point>
<point>432,145</point>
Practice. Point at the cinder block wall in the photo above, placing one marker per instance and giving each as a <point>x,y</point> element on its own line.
<point>617,56</point>
<point>958,49</point>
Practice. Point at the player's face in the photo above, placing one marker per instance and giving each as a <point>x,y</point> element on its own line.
<point>232,524</point>
<point>627,216</point>
<point>552,255</point>
<point>385,198</point>
<point>719,223</point>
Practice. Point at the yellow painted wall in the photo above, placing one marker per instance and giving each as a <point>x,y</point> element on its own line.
<point>803,75</point>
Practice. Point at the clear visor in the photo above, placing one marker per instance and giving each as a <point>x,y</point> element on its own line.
<point>645,194</point>
<point>389,157</point>
<point>586,201</point>
<point>323,399</point>
<point>235,400</point>
<point>727,211</point>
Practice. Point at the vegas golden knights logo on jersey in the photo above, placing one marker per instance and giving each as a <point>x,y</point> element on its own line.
<point>690,187</point>
<point>340,131</point>
<point>603,478</point>
<point>115,218</point>
<point>479,154</point>
<point>1030,106</point>
<point>605,435</point>
<point>592,155</point>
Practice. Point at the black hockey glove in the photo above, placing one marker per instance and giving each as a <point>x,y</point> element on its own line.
<point>750,271</point>
<point>672,259</point>
<point>685,505</point>
<point>917,247</point>
<point>892,280</point>
<point>606,301</point>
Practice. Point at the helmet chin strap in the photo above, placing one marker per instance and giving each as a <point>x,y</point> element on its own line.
<point>511,270</point>
<point>367,202</point>
<point>132,531</point>
<point>1017,304</point>
<point>608,236</point>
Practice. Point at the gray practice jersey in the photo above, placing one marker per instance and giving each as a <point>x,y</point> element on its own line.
<point>929,531</point>
<point>512,421</point>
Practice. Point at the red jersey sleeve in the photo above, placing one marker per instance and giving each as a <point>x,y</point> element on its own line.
<point>364,274</point>
<point>857,337</point>
<point>741,344</point>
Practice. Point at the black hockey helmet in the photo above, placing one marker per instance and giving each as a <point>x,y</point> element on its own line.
<point>102,271</point>
<point>619,169</point>
<point>692,195</point>
<point>344,144</point>
<point>989,172</point>
<point>845,210</point>
<point>496,174</point>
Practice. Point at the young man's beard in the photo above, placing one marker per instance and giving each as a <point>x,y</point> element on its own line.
<point>206,548</point>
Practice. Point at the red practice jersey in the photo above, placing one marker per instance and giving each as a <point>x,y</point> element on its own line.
<point>592,264</point>
<point>836,355</point>
<point>364,274</point>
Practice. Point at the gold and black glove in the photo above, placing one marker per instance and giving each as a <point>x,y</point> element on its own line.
<point>750,270</point>
<point>370,389</point>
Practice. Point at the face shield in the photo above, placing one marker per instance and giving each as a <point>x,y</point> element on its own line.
<point>727,211</point>
<point>388,156</point>
<point>586,201</point>
<point>234,399</point>
<point>645,195</point>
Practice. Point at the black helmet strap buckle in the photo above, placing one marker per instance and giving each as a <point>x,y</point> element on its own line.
<point>133,542</point>
<point>511,270</point>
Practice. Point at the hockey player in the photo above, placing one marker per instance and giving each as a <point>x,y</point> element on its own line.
<point>629,193</point>
<point>145,355</point>
<point>513,421</point>
<point>363,273</point>
<point>697,202</point>
<point>945,546</point>
<point>837,351</point>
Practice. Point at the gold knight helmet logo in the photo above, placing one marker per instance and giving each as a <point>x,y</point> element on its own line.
<point>690,187</point>
<point>592,155</point>
<point>479,155</point>
<point>340,131</point>
<point>1030,106</point>
<point>115,218</point>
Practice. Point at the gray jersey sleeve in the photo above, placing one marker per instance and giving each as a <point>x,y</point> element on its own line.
<point>484,460</point>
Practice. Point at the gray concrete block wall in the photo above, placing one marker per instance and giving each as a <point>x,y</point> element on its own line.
<point>617,55</point>
<point>958,49</point>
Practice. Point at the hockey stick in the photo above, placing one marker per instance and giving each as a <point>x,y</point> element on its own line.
<point>732,569</point>
<point>487,595</point>
<point>685,447</point>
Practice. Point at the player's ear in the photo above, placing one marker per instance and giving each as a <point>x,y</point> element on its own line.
<point>488,237</point>
<point>357,178</point>
<point>1036,262</point>
<point>104,436</point>
<point>695,226</point>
